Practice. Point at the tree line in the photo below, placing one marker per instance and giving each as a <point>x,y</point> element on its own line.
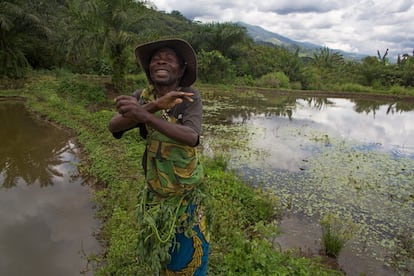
<point>98,37</point>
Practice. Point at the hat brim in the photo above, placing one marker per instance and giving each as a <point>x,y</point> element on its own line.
<point>144,52</point>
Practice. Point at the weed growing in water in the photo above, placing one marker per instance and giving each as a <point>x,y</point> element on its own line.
<point>335,233</point>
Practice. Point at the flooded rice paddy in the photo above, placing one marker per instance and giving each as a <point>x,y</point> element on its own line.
<point>46,214</point>
<point>351,157</point>
<point>354,158</point>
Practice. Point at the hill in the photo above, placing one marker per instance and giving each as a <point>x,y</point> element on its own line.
<point>258,34</point>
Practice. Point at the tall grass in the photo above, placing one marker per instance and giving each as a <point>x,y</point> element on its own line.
<point>336,232</point>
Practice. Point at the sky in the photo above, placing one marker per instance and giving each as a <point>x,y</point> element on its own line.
<point>363,26</point>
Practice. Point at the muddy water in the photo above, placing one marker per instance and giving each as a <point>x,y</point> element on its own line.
<point>350,157</point>
<point>46,214</point>
<point>304,235</point>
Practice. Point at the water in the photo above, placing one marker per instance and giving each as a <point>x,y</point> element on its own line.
<point>47,217</point>
<point>352,157</point>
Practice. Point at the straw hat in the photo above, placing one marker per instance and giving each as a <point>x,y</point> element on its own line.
<point>182,48</point>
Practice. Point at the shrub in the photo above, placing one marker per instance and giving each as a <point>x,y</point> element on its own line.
<point>296,85</point>
<point>354,87</point>
<point>213,67</point>
<point>312,79</point>
<point>100,66</point>
<point>397,90</point>
<point>245,80</point>
<point>274,80</point>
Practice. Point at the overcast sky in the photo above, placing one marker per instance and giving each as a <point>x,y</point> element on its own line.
<point>363,26</point>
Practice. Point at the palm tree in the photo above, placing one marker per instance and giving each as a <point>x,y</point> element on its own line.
<point>104,27</point>
<point>219,36</point>
<point>18,27</point>
<point>326,58</point>
<point>30,151</point>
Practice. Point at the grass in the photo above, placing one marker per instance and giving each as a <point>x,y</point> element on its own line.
<point>351,89</point>
<point>336,232</point>
<point>243,223</point>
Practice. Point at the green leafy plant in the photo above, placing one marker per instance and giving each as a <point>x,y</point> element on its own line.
<point>274,80</point>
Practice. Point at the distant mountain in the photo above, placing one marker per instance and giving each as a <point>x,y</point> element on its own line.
<point>258,34</point>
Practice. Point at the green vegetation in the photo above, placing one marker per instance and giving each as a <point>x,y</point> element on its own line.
<point>78,91</point>
<point>98,37</point>
<point>274,80</point>
<point>359,185</point>
<point>353,179</point>
<point>335,233</point>
<point>243,223</point>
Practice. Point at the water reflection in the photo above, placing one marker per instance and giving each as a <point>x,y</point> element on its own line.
<point>221,108</point>
<point>278,119</point>
<point>370,106</point>
<point>30,150</point>
<point>47,216</point>
<point>353,157</point>
<point>392,131</point>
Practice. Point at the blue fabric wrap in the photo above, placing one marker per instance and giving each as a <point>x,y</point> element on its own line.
<point>182,254</point>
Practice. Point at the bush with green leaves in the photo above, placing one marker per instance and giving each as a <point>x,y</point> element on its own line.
<point>353,87</point>
<point>274,80</point>
<point>213,67</point>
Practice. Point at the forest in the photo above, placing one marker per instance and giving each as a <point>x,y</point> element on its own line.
<point>98,37</point>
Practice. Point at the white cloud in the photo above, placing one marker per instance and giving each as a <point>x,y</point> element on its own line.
<point>363,26</point>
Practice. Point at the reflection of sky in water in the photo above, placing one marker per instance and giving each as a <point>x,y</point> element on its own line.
<point>286,141</point>
<point>66,167</point>
<point>330,159</point>
<point>47,217</point>
<point>392,131</point>
<point>47,227</point>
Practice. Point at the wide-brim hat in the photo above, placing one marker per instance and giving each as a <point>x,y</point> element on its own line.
<point>182,48</point>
